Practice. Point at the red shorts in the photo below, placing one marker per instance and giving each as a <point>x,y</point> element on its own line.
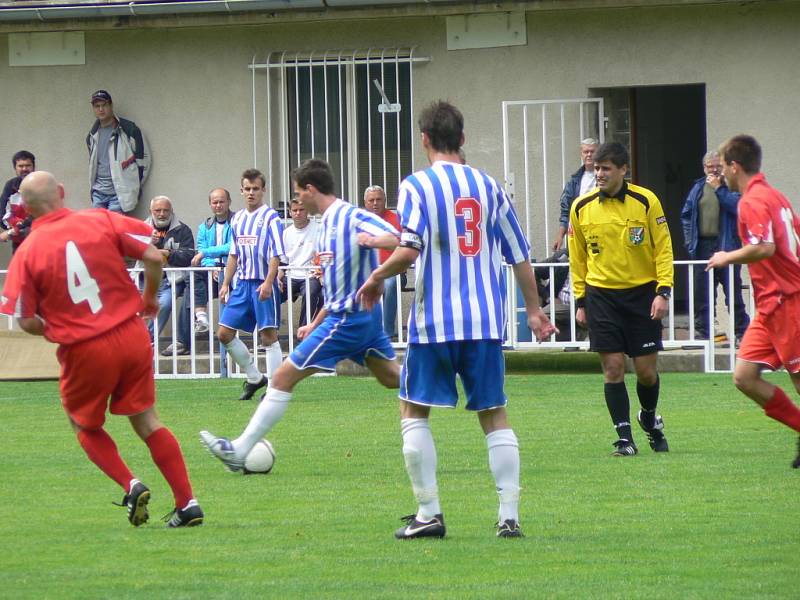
<point>774,339</point>
<point>119,364</point>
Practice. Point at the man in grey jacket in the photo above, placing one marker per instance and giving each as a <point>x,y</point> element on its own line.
<point>175,241</point>
<point>119,158</point>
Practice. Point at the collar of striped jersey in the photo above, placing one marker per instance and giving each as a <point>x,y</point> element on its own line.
<point>620,195</point>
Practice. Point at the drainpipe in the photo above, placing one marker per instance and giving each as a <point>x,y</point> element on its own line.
<point>100,10</point>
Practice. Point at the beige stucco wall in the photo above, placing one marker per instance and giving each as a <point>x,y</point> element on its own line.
<point>190,89</point>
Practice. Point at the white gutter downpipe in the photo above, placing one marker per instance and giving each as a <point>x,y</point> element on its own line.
<point>135,8</point>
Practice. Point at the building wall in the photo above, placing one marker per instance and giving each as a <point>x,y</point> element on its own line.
<point>190,89</point>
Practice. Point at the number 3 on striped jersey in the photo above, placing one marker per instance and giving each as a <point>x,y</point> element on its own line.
<point>469,243</point>
<point>82,286</point>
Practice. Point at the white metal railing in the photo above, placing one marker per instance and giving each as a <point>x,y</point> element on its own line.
<point>206,358</point>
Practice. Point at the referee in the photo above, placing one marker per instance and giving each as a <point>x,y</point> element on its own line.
<point>620,258</point>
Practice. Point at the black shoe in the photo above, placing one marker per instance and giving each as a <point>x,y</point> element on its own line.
<point>655,435</point>
<point>625,448</point>
<point>509,529</point>
<point>191,516</point>
<point>248,389</point>
<point>796,461</point>
<point>136,502</point>
<point>416,529</point>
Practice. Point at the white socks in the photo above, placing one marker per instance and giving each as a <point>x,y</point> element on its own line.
<point>241,356</point>
<point>274,358</point>
<point>504,464</point>
<point>269,411</point>
<point>419,453</point>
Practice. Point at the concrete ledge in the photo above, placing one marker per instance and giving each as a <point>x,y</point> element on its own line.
<point>559,361</point>
<point>24,356</point>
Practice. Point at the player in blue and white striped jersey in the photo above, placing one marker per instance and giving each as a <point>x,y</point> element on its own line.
<point>343,328</point>
<point>458,226</point>
<point>256,252</point>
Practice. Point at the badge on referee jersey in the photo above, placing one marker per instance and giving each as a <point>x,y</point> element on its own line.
<point>636,235</point>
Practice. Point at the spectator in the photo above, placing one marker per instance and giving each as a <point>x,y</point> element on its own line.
<point>119,158</point>
<point>375,202</point>
<point>299,240</point>
<point>213,247</point>
<point>579,183</point>
<point>709,225</point>
<point>14,217</point>
<point>176,243</point>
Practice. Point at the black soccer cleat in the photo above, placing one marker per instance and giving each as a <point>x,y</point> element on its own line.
<point>509,529</point>
<point>248,389</point>
<point>191,516</point>
<point>655,435</point>
<point>136,502</point>
<point>625,448</point>
<point>796,461</point>
<point>417,529</point>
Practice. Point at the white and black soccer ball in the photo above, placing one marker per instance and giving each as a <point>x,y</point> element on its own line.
<point>260,459</point>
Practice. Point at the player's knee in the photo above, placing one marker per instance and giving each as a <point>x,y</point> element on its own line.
<point>743,381</point>
<point>225,335</point>
<point>269,336</point>
<point>390,378</point>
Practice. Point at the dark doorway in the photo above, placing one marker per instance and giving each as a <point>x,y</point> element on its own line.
<point>664,128</point>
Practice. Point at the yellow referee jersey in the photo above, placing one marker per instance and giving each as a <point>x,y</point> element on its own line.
<point>619,242</point>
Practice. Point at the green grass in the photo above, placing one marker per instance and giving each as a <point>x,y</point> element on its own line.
<point>716,517</point>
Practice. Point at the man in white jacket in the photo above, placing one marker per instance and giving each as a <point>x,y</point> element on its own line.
<point>119,158</point>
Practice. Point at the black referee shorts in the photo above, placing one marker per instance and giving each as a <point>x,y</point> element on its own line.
<point>619,320</point>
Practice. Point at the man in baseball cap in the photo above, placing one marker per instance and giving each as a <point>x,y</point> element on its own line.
<point>119,158</point>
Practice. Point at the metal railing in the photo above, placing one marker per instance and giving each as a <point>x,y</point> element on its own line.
<point>206,357</point>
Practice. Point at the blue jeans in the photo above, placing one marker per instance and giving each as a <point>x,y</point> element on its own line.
<point>165,308</point>
<point>705,248</point>
<point>107,201</point>
<point>391,290</point>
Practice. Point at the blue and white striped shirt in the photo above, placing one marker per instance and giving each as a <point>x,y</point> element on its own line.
<point>345,264</point>
<point>257,237</point>
<point>467,227</point>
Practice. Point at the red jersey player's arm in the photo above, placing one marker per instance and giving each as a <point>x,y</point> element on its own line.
<point>743,256</point>
<point>32,325</point>
<point>152,278</point>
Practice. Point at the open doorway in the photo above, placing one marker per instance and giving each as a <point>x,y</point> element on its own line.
<point>664,128</point>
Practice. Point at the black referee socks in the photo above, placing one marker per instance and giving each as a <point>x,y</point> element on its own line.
<point>619,407</point>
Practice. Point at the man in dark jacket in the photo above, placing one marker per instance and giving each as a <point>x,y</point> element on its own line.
<point>14,218</point>
<point>176,243</point>
<point>709,224</point>
<point>579,183</point>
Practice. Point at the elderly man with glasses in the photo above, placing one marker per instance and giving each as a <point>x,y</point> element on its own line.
<point>709,225</point>
<point>375,202</point>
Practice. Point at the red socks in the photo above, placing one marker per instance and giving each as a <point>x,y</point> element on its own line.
<point>166,453</point>
<point>782,409</point>
<point>102,451</point>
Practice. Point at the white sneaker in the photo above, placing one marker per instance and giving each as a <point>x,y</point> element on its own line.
<point>180,350</point>
<point>201,323</point>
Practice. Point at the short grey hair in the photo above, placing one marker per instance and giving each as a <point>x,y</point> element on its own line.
<point>589,142</point>
<point>709,155</point>
<point>157,198</point>
<point>374,188</point>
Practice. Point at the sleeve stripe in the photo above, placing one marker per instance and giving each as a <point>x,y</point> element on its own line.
<point>145,239</point>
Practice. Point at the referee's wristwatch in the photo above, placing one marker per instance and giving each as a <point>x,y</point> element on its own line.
<point>664,292</point>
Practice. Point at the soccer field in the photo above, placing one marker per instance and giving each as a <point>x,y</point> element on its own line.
<point>716,517</point>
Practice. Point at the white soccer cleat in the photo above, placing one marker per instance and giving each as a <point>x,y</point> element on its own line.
<point>223,449</point>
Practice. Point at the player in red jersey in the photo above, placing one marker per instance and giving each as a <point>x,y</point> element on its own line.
<point>770,232</point>
<point>69,283</point>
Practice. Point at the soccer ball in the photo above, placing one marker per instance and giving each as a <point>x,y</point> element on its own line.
<point>260,459</point>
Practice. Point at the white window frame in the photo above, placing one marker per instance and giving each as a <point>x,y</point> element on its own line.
<point>275,123</point>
